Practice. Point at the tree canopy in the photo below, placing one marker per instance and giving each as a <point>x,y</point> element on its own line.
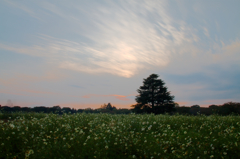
<point>108,106</point>
<point>153,97</point>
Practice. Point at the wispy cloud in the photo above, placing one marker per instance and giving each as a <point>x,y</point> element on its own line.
<point>122,39</point>
<point>23,7</point>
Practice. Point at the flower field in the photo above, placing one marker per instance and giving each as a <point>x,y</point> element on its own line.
<point>103,136</point>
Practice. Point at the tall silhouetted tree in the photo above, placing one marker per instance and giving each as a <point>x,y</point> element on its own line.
<point>153,97</point>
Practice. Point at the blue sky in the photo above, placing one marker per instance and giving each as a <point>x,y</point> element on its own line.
<point>83,54</point>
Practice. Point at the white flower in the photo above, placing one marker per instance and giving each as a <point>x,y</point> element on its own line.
<point>12,126</point>
<point>106,147</point>
<point>31,152</point>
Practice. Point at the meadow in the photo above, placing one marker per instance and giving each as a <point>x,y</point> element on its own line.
<point>103,136</point>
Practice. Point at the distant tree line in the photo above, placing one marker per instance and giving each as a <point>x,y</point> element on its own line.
<point>105,108</point>
<point>229,108</point>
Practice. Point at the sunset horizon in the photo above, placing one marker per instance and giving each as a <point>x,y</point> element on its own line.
<point>84,54</point>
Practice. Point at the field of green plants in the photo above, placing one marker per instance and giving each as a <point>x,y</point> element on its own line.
<point>104,136</point>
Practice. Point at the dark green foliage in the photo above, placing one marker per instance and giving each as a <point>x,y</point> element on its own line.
<point>153,97</point>
<point>183,110</point>
<point>231,107</point>
<point>108,107</point>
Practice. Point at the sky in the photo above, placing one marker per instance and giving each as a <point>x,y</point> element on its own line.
<point>82,54</point>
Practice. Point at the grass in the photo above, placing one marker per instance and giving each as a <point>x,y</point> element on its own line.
<point>90,136</point>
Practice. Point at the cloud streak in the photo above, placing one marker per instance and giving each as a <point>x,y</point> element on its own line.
<point>119,38</point>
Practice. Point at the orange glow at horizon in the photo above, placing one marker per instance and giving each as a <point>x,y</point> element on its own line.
<point>127,105</point>
<point>93,105</point>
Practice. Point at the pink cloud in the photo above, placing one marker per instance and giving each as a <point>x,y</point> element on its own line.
<point>24,79</point>
<point>120,97</point>
<point>182,103</point>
